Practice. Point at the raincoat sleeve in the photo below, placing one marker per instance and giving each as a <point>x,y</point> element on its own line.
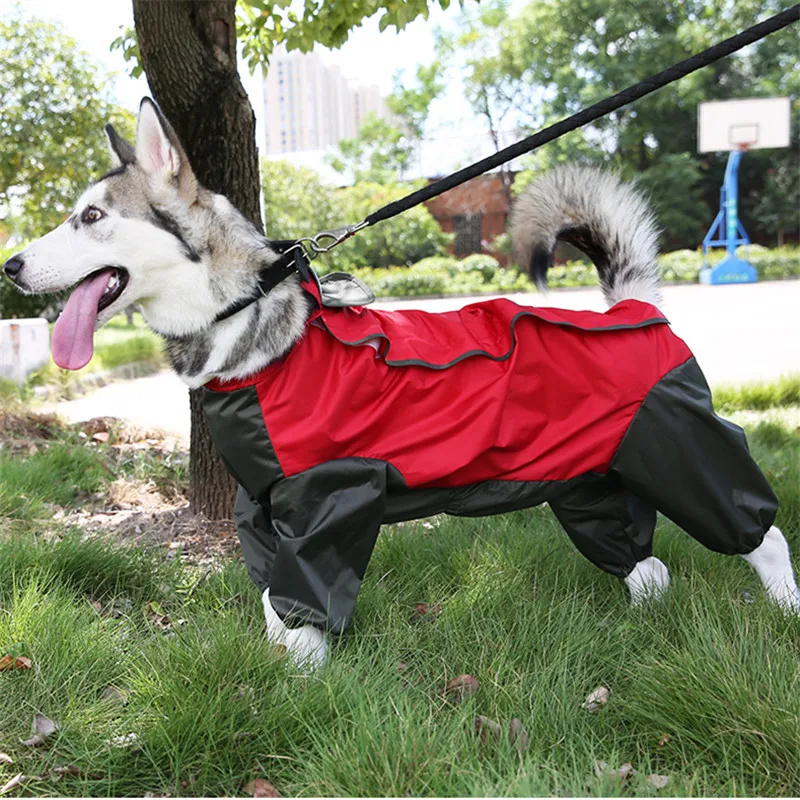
<point>256,536</point>
<point>325,520</point>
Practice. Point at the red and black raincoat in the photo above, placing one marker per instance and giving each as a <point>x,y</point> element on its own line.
<point>378,416</point>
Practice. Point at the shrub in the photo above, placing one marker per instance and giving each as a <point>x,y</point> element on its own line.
<point>404,282</point>
<point>481,273</point>
<point>485,265</point>
<point>402,240</point>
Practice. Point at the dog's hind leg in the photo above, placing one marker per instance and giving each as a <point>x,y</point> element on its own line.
<point>696,469</point>
<point>648,580</point>
<point>614,529</point>
<point>772,562</point>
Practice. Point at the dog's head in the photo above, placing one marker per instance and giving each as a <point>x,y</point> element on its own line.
<point>132,238</point>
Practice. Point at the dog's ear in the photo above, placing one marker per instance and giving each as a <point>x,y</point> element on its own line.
<point>121,151</point>
<point>159,153</point>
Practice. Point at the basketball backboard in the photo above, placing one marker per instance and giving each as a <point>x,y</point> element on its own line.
<point>751,124</point>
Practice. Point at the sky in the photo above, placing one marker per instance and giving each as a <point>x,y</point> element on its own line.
<point>369,57</point>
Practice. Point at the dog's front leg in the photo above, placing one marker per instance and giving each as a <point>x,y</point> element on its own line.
<point>307,646</point>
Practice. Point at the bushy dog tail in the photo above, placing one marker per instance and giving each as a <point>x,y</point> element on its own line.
<point>610,221</point>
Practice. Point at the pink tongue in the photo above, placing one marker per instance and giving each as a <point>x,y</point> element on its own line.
<point>73,343</point>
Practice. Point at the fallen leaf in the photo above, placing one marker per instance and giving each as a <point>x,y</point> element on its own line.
<point>114,694</point>
<point>663,740</point>
<point>68,769</point>
<point>100,436</point>
<point>6,759</point>
<point>14,662</point>
<point>461,687</point>
<point>15,781</point>
<point>598,697</point>
<point>402,665</point>
<point>42,729</point>
<point>600,768</point>
<point>657,781</point>
<point>260,787</point>
<point>424,612</point>
<point>487,728</point>
<point>518,736</point>
<point>625,772</point>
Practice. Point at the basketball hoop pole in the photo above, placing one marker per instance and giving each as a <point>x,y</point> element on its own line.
<point>730,230</point>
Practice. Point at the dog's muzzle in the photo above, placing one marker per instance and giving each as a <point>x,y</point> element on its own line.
<point>13,267</point>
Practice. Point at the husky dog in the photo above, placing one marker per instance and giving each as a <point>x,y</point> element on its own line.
<point>148,234</point>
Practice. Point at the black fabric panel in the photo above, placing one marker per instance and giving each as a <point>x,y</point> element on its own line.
<point>695,467</point>
<point>478,500</point>
<point>610,526</point>
<point>259,544</point>
<point>326,520</point>
<point>241,439</point>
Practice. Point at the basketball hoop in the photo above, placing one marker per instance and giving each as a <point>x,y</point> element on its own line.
<point>736,126</point>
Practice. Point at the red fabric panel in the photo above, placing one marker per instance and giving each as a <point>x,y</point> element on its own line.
<point>556,405</point>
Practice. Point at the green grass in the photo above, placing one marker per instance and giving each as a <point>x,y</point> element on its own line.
<point>713,667</point>
<point>759,396</point>
<point>56,474</point>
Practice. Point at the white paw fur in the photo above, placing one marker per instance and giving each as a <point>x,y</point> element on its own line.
<point>307,646</point>
<point>648,580</point>
<point>772,562</point>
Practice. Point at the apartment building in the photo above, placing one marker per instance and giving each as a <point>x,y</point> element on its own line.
<point>310,106</point>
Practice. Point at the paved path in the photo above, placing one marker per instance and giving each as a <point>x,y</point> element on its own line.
<point>739,333</point>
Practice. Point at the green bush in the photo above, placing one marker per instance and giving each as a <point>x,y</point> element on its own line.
<point>482,274</point>
<point>481,263</point>
<point>404,281</point>
<point>448,264</point>
<point>129,351</point>
<point>404,239</point>
<point>298,203</point>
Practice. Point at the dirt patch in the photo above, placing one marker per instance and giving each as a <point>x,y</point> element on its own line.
<point>191,538</point>
<point>26,426</point>
<point>118,431</point>
<point>151,511</point>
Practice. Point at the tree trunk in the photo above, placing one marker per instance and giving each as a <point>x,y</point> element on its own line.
<point>188,50</point>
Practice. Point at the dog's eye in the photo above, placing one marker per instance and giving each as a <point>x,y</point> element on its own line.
<point>91,214</point>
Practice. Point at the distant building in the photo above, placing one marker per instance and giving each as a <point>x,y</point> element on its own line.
<point>476,212</point>
<point>311,106</point>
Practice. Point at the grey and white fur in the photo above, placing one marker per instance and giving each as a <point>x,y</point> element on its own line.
<point>183,254</point>
<point>608,220</point>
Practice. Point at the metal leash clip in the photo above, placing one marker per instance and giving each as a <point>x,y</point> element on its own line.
<point>314,243</point>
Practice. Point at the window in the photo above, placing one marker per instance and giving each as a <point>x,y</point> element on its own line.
<point>467,228</point>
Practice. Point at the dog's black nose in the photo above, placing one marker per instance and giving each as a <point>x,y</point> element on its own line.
<point>13,267</point>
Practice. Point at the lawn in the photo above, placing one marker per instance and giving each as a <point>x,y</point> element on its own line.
<point>705,685</point>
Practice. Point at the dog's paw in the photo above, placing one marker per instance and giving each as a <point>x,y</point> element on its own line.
<point>785,596</point>
<point>307,646</point>
<point>648,580</point>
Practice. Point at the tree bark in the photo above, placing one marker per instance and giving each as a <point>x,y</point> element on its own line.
<point>188,50</point>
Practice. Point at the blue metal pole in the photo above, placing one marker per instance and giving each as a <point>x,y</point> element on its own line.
<point>732,201</point>
<point>730,231</point>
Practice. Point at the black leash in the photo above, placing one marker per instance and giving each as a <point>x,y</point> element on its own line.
<point>645,87</point>
<point>294,258</point>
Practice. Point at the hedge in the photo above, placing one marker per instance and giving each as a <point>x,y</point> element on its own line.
<point>477,274</point>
